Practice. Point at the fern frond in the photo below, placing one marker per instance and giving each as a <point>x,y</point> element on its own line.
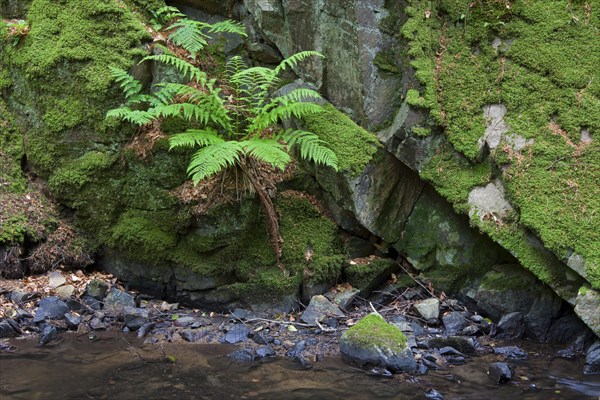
<point>188,34</point>
<point>182,66</point>
<point>311,147</point>
<point>128,83</point>
<point>214,158</point>
<point>136,117</point>
<point>195,137</point>
<point>267,150</point>
<point>274,113</point>
<point>293,60</point>
<point>168,13</point>
<point>228,26</point>
<point>298,95</point>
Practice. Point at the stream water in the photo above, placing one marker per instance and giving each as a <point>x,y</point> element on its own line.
<point>109,368</point>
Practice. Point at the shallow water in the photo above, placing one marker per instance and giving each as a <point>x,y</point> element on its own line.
<point>107,368</point>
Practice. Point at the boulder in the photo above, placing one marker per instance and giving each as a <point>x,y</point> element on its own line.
<point>319,309</point>
<point>374,342</point>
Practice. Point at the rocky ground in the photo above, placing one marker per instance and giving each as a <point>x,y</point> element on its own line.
<point>440,331</point>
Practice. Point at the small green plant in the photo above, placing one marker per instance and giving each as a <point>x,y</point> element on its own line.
<point>16,30</point>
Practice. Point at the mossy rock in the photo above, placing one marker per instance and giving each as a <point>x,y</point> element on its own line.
<point>370,274</point>
<point>372,341</point>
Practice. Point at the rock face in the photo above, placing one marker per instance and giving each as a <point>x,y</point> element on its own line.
<point>372,341</point>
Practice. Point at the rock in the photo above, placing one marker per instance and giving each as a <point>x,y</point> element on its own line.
<point>97,324</point>
<point>592,360</point>
<point>56,279</point>
<point>470,330</point>
<point>500,372</point>
<point>433,394</point>
<point>586,308</point>
<point>21,296</point>
<point>319,309</point>
<point>48,334</point>
<point>194,335</point>
<point>50,307</point>
<point>511,326</point>
<point>513,352</point>
<point>144,329</point>
<point>447,350</point>
<point>243,355</point>
<point>464,345</point>
<point>238,333</point>
<point>117,300</point>
<point>96,289</point>
<point>455,322</point>
<point>65,291</point>
<point>135,318</point>
<point>428,309</point>
<point>184,321</point>
<point>265,351</point>
<point>72,320</point>
<point>9,329</point>
<point>240,313</point>
<point>343,299</point>
<point>372,341</point>
<point>297,349</point>
<point>92,302</point>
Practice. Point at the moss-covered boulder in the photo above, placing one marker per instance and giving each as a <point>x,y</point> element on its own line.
<point>374,342</point>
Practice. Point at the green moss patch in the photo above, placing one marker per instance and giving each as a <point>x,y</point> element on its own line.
<point>353,146</point>
<point>372,331</point>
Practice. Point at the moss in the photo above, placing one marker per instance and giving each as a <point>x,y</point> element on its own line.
<point>544,71</point>
<point>386,62</point>
<point>373,332</point>
<point>79,172</point>
<point>11,153</point>
<point>365,276</point>
<point>268,286</point>
<point>353,146</point>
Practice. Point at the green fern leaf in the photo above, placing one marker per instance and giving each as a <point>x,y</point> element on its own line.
<point>136,117</point>
<point>182,66</point>
<point>128,83</point>
<point>293,60</point>
<point>311,147</point>
<point>267,150</point>
<point>229,27</point>
<point>195,137</point>
<point>214,158</point>
<point>188,34</point>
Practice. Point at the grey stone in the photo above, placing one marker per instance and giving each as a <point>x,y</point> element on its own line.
<point>92,302</point>
<point>265,351</point>
<point>65,291</point>
<point>50,307</point>
<point>96,289</point>
<point>586,136</point>
<point>184,321</point>
<point>117,300</point>
<point>48,334</point>
<point>586,307</point>
<point>319,309</point>
<point>194,335</point>
<point>9,329</point>
<point>500,372</point>
<point>513,352</point>
<point>429,308</point>
<point>298,348</point>
<point>462,344</point>
<point>511,326</point>
<point>592,359</point>
<point>238,333</point>
<point>343,299</point>
<point>21,296</point>
<point>97,324</point>
<point>55,279</point>
<point>135,318</point>
<point>489,202</point>
<point>72,320</point>
<point>242,355</point>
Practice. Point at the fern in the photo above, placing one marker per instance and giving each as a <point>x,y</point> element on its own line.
<point>268,151</point>
<point>228,26</point>
<point>194,138</point>
<point>214,158</point>
<point>188,34</point>
<point>187,69</point>
<point>291,61</point>
<point>311,147</point>
<point>136,117</point>
<point>128,83</point>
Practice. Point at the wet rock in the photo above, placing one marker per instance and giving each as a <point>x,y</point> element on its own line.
<point>65,291</point>
<point>513,352</point>
<point>96,289</point>
<point>319,309</point>
<point>50,307</point>
<point>9,329</point>
<point>72,320</point>
<point>462,344</point>
<point>455,322</point>
<point>378,371</point>
<point>592,360</point>
<point>238,333</point>
<point>97,324</point>
<point>194,335</point>
<point>433,394</point>
<point>447,350</point>
<point>117,300</point>
<point>144,329</point>
<point>243,355</point>
<point>48,334</point>
<point>135,318</point>
<point>56,279</point>
<point>500,372</point>
<point>297,349</point>
<point>428,309</point>
<point>265,351</point>
<point>92,302</point>
<point>372,341</point>
<point>511,326</point>
<point>21,314</point>
<point>184,321</point>
<point>455,360</point>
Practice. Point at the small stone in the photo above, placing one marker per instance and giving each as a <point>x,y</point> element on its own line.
<point>135,318</point>
<point>194,335</point>
<point>433,394</point>
<point>455,322</point>
<point>470,330</point>
<point>184,321</point>
<point>592,360</point>
<point>265,351</point>
<point>48,334</point>
<point>447,350</point>
<point>96,289</point>
<point>65,291</point>
<point>56,279</point>
<point>319,309</point>
<point>511,326</point>
<point>513,352</point>
<point>297,349</point>
<point>428,309</point>
<point>72,320</point>
<point>240,314</point>
<point>21,296</point>
<point>97,324</point>
<point>277,342</point>
<point>500,372</point>
<point>9,329</point>
<point>50,307</point>
<point>238,333</point>
<point>343,299</point>
<point>117,300</point>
